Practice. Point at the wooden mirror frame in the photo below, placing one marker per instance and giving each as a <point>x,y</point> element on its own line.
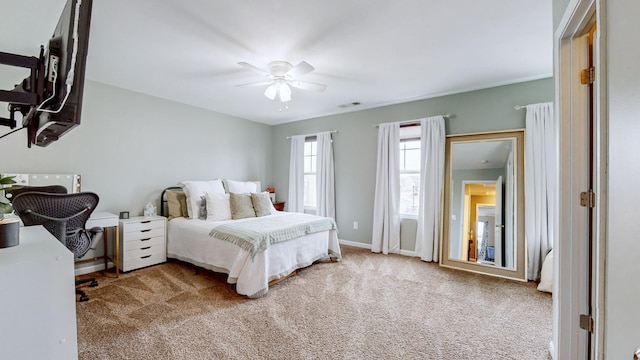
<point>520,271</point>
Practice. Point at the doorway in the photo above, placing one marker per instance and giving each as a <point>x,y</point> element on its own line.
<point>576,331</point>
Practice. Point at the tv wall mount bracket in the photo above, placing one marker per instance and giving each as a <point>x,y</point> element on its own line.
<point>26,95</point>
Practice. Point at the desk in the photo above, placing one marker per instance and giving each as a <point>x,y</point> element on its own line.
<point>38,302</point>
<point>106,220</point>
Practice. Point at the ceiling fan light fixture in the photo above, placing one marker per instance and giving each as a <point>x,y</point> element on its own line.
<point>284,92</point>
<point>272,91</point>
<point>283,76</point>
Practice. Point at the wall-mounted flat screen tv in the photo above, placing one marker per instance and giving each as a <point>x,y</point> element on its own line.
<point>50,99</point>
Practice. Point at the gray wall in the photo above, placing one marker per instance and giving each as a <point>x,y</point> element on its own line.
<point>355,143</point>
<point>130,146</point>
<point>559,7</point>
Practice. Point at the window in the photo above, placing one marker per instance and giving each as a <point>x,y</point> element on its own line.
<point>310,159</point>
<point>409,170</point>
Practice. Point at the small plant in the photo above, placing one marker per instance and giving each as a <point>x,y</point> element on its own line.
<point>6,209</point>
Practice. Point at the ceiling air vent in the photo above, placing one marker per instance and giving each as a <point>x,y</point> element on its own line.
<point>355,103</point>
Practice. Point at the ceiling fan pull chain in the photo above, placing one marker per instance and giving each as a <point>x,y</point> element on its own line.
<point>286,106</point>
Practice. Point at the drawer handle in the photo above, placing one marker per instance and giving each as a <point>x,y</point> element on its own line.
<point>145,222</point>
<point>144,257</point>
<point>146,248</point>
<point>145,239</point>
<point>145,230</point>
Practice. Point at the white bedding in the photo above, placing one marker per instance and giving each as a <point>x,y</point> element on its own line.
<point>188,240</point>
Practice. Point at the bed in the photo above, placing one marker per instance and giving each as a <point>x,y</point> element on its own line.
<point>253,250</point>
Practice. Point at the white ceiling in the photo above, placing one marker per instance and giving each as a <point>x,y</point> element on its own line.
<point>376,52</point>
<point>484,154</point>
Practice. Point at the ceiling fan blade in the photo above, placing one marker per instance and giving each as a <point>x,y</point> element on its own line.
<point>268,82</point>
<point>307,85</point>
<point>271,91</point>
<point>302,68</point>
<point>253,68</point>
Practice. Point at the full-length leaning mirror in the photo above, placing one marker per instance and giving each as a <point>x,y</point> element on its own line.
<point>483,227</point>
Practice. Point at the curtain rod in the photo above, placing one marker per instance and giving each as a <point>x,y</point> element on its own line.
<point>519,107</point>
<point>446,116</point>
<point>330,131</point>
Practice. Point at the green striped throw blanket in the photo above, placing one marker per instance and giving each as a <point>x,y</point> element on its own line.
<point>256,235</point>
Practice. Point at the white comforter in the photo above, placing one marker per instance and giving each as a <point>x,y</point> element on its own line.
<point>189,240</point>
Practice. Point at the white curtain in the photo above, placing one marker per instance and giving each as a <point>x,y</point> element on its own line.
<point>509,212</point>
<point>540,184</point>
<point>431,173</point>
<point>325,188</point>
<point>295,200</point>
<point>386,221</point>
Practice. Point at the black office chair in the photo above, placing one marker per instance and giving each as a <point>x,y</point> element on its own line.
<point>17,190</point>
<point>65,216</point>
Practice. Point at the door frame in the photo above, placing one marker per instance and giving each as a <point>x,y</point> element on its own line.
<point>571,265</point>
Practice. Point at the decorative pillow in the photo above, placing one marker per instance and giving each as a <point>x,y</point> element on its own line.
<point>194,190</point>
<point>241,206</point>
<point>241,187</point>
<point>183,204</point>
<point>546,274</point>
<point>176,204</point>
<point>261,203</point>
<point>203,208</point>
<point>218,207</point>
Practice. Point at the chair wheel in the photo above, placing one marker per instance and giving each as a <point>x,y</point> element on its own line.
<point>94,283</point>
<point>84,298</point>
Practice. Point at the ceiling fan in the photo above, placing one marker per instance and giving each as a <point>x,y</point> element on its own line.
<point>281,76</point>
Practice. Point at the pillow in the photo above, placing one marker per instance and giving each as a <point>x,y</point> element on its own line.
<point>546,274</point>
<point>261,203</point>
<point>241,206</point>
<point>194,190</point>
<point>272,207</point>
<point>241,187</point>
<point>203,208</point>
<point>218,207</point>
<point>182,197</point>
<point>176,204</point>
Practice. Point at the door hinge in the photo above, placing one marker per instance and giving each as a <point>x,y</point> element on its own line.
<point>588,199</point>
<point>588,76</point>
<point>586,322</point>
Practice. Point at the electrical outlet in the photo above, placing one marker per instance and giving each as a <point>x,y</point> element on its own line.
<point>355,225</point>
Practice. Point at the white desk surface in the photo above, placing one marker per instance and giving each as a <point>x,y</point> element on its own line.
<point>36,244</point>
<point>38,305</point>
<point>103,219</point>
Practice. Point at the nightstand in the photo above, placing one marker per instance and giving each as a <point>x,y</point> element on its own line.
<point>279,205</point>
<point>142,242</point>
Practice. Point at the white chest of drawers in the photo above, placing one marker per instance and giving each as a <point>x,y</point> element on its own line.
<point>142,242</point>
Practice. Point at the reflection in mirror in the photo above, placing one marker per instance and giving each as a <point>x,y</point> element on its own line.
<point>483,204</point>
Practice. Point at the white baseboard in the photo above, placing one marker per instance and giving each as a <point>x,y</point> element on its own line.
<point>552,350</point>
<point>368,246</point>
<point>354,244</point>
<point>89,268</point>
<point>408,253</point>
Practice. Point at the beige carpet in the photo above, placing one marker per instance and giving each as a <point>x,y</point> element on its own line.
<point>368,306</point>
